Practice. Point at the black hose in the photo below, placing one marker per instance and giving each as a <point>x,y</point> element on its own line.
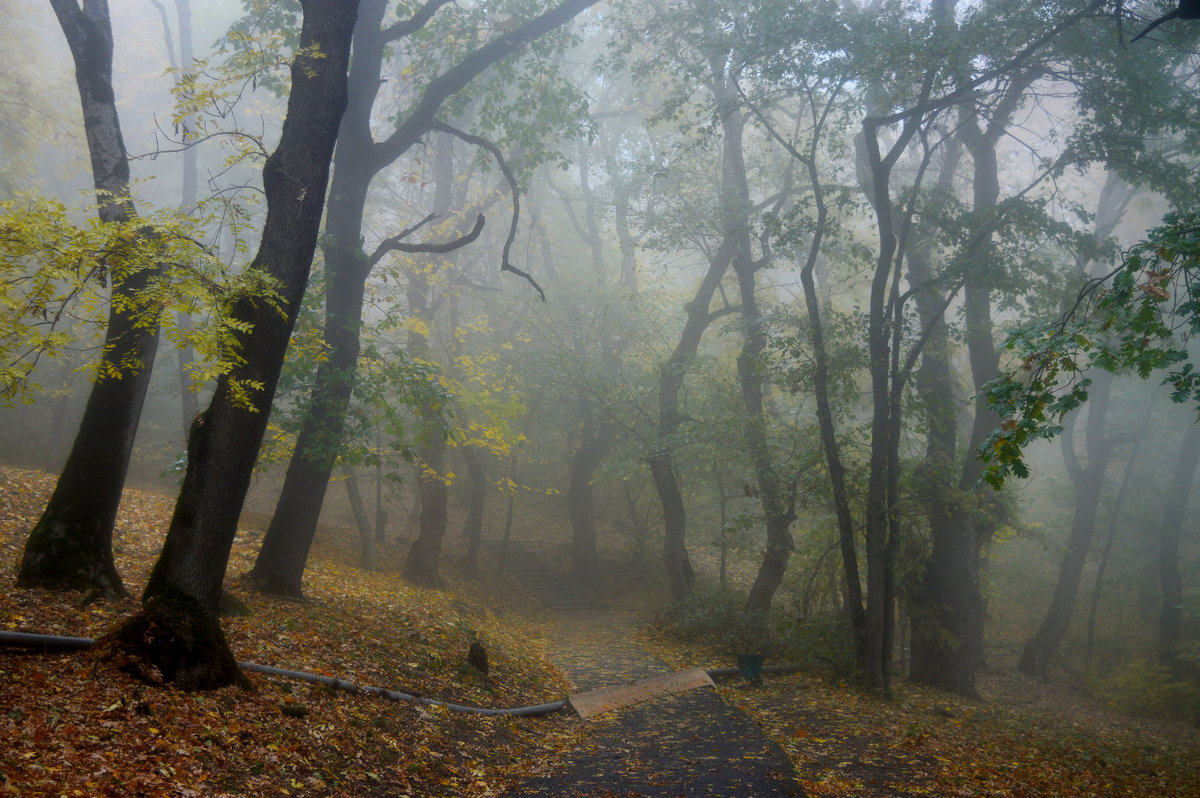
<point>724,673</point>
<point>48,643</point>
<point>392,695</point>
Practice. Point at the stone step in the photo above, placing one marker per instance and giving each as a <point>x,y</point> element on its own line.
<point>555,591</point>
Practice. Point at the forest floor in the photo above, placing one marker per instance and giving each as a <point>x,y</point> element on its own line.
<point>73,724</point>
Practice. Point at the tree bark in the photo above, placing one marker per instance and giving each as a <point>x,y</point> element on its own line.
<point>177,634</point>
<point>422,564</point>
<point>948,613</point>
<point>280,565</point>
<point>1088,481</point>
<point>189,191</point>
<point>71,545</point>
<point>735,220</point>
<point>660,457</point>
<point>473,456</point>
<point>1170,580</point>
<point>581,505</point>
<point>947,593</point>
<point>361,521</point>
<point>814,304</point>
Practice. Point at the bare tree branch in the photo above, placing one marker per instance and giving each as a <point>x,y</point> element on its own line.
<point>479,141</point>
<point>396,242</point>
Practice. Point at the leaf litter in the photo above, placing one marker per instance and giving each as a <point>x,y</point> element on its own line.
<point>73,724</point>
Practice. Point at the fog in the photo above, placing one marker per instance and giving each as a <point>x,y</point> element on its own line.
<point>764,260</point>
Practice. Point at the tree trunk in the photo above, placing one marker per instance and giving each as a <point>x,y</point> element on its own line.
<point>947,592</point>
<point>71,545</point>
<point>1088,481</point>
<point>1035,657</point>
<point>380,510</point>
<point>361,521</point>
<point>947,604</point>
<point>735,219</point>
<point>1170,580</point>
<point>280,564</point>
<point>680,576</point>
<point>660,457</point>
<point>476,497</point>
<point>189,191</point>
<point>847,543</point>
<point>177,633</point>
<point>424,555</point>
<point>279,567</point>
<point>581,505</point>
<point>422,565</point>
<point>879,354</point>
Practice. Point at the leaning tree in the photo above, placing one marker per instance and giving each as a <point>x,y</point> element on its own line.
<point>176,635</point>
<point>360,157</point>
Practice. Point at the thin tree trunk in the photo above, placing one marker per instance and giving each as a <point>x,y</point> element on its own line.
<point>1170,580</point>
<point>581,505</point>
<point>1088,481</point>
<point>847,544</point>
<point>660,457</point>
<point>1113,518</point>
<point>422,564</point>
<point>476,497</point>
<point>189,192</point>
<point>361,521</point>
<point>735,218</point>
<point>380,510</point>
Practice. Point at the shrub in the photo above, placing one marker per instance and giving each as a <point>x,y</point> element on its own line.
<point>820,641</point>
<point>714,617</point>
<point>1149,691</point>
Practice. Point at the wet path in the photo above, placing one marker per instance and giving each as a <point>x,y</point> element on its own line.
<point>687,744</point>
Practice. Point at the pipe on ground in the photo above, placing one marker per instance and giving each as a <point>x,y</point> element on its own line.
<point>52,643</point>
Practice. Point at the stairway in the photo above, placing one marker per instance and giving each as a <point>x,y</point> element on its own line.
<point>531,572</point>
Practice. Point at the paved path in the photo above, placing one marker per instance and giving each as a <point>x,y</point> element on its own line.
<point>687,744</point>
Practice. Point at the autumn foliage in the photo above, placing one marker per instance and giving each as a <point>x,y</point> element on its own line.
<point>76,724</point>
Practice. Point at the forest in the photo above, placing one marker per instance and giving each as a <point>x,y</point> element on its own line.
<point>365,364</point>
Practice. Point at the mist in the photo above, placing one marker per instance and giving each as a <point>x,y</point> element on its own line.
<point>853,336</point>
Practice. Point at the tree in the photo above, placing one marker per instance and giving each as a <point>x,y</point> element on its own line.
<point>935,252</point>
<point>1132,320</point>
<point>70,547</point>
<point>1170,627</point>
<point>687,42</point>
<point>280,564</point>
<point>189,186</point>
<point>176,635</point>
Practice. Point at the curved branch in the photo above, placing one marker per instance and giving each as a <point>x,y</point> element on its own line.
<point>414,23</point>
<point>479,141</point>
<point>396,242</point>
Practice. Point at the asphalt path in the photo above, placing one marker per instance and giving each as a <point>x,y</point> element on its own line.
<point>687,744</point>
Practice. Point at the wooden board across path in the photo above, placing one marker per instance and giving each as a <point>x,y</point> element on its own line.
<point>606,699</point>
